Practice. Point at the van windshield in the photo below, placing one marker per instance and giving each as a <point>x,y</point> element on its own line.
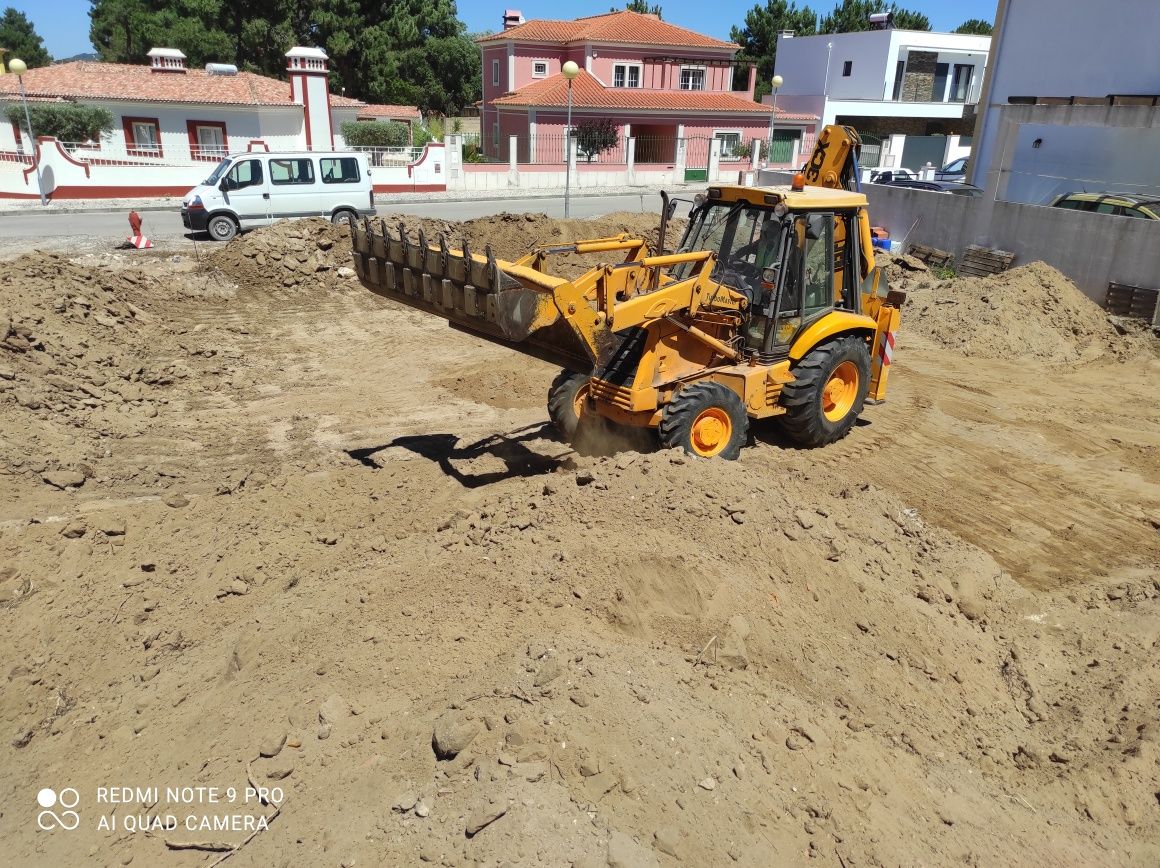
<point>221,169</point>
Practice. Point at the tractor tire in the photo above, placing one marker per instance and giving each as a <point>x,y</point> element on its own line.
<point>566,401</point>
<point>828,392</point>
<point>705,419</point>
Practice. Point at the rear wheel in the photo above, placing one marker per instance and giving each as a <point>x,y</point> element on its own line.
<point>828,392</point>
<point>705,419</point>
<point>566,402</point>
<point>343,217</point>
<point>221,228</point>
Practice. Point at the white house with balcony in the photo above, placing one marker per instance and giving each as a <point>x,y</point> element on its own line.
<point>887,83</point>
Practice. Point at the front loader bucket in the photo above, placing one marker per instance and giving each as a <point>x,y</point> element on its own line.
<point>472,292</point>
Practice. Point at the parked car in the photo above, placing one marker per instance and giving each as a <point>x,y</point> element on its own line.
<point>256,188</point>
<point>1118,204</point>
<point>955,170</point>
<point>885,176</point>
<point>954,187</point>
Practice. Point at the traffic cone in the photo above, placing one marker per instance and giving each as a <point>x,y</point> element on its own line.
<point>137,239</point>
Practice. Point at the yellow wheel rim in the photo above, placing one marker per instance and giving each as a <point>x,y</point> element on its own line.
<point>711,432</point>
<point>579,400</point>
<point>840,391</point>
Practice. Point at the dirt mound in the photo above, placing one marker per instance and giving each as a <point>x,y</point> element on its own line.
<point>298,255</point>
<point>71,358</point>
<point>1029,312</point>
<point>290,254</point>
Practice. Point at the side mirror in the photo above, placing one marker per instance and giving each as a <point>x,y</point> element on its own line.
<point>672,209</point>
<point>223,185</point>
<point>815,225</point>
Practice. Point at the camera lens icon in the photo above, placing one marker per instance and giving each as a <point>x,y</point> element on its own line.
<point>67,819</point>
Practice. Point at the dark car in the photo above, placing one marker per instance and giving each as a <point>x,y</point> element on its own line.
<point>952,187</point>
<point>955,170</point>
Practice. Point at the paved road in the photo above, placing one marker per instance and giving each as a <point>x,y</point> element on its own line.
<point>167,224</point>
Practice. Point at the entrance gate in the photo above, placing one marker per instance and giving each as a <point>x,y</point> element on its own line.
<point>697,159</point>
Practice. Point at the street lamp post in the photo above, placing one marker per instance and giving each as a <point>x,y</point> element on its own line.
<point>19,67</point>
<point>570,71</point>
<point>777,82</point>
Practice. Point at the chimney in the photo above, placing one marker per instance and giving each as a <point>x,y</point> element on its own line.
<point>309,87</point>
<point>166,60</point>
<point>512,18</point>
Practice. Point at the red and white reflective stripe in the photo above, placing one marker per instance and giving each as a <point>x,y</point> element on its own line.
<point>887,348</point>
<point>140,242</point>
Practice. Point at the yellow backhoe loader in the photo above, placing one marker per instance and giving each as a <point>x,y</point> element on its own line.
<point>771,306</point>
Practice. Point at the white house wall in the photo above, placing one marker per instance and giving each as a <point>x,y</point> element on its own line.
<point>1067,48</point>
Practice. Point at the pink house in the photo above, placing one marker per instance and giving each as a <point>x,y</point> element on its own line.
<point>656,81</point>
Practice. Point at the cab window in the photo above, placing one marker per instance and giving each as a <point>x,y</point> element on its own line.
<point>819,264</point>
<point>299,170</point>
<point>247,173</point>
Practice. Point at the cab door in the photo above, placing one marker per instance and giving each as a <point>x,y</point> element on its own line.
<point>806,282</point>
<point>246,191</point>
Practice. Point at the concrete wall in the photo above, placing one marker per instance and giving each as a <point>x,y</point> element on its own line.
<point>1067,48</point>
<point>1091,249</point>
<point>1090,148</point>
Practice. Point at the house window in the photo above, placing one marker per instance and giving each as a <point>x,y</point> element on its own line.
<point>339,170</point>
<point>207,139</point>
<point>899,74</point>
<point>495,73</point>
<point>961,83</point>
<point>847,68</point>
<point>692,78</point>
<point>730,142</point>
<point>295,170</point>
<point>495,136</point>
<point>626,75</point>
<point>142,137</point>
<point>539,69</point>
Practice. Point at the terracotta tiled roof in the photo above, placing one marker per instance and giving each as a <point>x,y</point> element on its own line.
<point>624,26</point>
<point>389,111</point>
<point>588,92</point>
<point>120,81</point>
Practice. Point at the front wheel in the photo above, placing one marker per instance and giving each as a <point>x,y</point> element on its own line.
<point>826,396</point>
<point>221,228</point>
<point>566,399</point>
<point>343,217</point>
<point>705,419</point>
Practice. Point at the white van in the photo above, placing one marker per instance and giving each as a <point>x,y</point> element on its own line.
<point>256,188</point>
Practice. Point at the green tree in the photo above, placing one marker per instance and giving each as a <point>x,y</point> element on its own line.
<point>67,121</point>
<point>758,38</point>
<point>641,6</point>
<point>20,38</point>
<point>594,136</point>
<point>851,16</point>
<point>414,52</point>
<point>976,26</point>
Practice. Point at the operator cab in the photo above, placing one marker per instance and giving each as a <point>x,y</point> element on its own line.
<point>787,258</point>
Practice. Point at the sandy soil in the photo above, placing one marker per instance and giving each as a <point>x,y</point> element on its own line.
<point>289,535</point>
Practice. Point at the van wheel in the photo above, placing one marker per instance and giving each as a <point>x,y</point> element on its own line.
<point>222,228</point>
<point>343,217</point>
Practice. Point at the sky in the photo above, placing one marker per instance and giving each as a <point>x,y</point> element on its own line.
<point>64,24</point>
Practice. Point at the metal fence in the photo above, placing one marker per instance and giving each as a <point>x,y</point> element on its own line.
<point>383,156</point>
<point>549,149</point>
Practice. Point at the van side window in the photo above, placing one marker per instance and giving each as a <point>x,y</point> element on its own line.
<point>292,170</point>
<point>247,173</point>
<point>339,170</point>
